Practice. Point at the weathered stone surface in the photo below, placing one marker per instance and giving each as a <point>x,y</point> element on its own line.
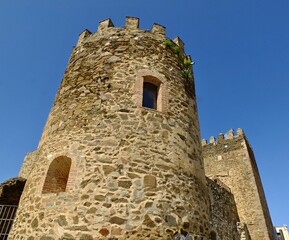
<point>224,214</point>
<point>107,169</point>
<point>150,181</point>
<point>86,237</point>
<point>132,172</point>
<point>46,238</point>
<point>148,221</point>
<point>99,197</point>
<point>231,160</point>
<point>125,184</point>
<point>104,231</point>
<point>117,220</point>
<point>62,221</point>
<point>67,236</point>
<point>34,223</point>
<point>171,220</point>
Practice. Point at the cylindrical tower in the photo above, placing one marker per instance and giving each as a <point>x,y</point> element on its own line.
<point>120,155</point>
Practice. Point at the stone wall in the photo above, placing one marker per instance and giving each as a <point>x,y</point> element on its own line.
<point>136,173</point>
<point>224,216</point>
<point>28,164</point>
<point>232,161</point>
<point>243,231</point>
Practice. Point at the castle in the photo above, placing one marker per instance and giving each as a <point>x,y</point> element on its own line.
<point>120,156</point>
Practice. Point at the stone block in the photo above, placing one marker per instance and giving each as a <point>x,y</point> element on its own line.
<point>150,181</point>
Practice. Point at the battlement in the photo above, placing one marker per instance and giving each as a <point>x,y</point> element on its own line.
<point>132,24</point>
<point>221,137</point>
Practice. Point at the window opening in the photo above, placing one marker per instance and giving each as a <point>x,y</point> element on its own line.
<point>213,236</point>
<point>7,215</point>
<point>150,95</point>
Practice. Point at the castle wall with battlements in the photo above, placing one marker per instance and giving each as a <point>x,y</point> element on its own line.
<point>109,167</point>
<point>231,160</point>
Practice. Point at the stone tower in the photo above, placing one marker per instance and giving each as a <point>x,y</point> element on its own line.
<point>120,155</point>
<point>232,161</point>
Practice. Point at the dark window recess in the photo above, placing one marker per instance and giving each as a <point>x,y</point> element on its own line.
<point>213,236</point>
<point>150,95</point>
<point>7,215</point>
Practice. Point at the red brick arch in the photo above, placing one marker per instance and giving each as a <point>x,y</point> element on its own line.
<point>57,175</point>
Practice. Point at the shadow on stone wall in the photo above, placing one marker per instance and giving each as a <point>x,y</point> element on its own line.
<point>11,190</point>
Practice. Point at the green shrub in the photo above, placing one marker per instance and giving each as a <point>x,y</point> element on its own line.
<point>187,61</point>
<point>176,50</point>
<point>186,73</point>
<point>168,43</point>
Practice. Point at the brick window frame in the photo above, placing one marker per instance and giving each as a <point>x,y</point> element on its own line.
<point>67,173</point>
<point>157,79</point>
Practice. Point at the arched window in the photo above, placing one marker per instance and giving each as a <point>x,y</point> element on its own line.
<point>151,90</point>
<point>213,236</point>
<point>150,95</point>
<point>57,175</point>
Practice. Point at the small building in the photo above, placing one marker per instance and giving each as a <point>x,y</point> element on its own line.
<point>282,232</point>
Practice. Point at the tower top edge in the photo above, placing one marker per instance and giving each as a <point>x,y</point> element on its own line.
<point>231,134</point>
<point>131,23</point>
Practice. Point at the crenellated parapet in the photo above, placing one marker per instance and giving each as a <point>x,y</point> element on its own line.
<point>131,24</point>
<point>231,159</point>
<point>231,134</point>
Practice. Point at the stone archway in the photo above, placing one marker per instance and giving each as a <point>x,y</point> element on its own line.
<point>10,194</point>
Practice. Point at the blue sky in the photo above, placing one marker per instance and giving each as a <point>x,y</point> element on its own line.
<point>241,50</point>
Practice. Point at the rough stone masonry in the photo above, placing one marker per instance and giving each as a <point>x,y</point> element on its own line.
<point>108,167</point>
